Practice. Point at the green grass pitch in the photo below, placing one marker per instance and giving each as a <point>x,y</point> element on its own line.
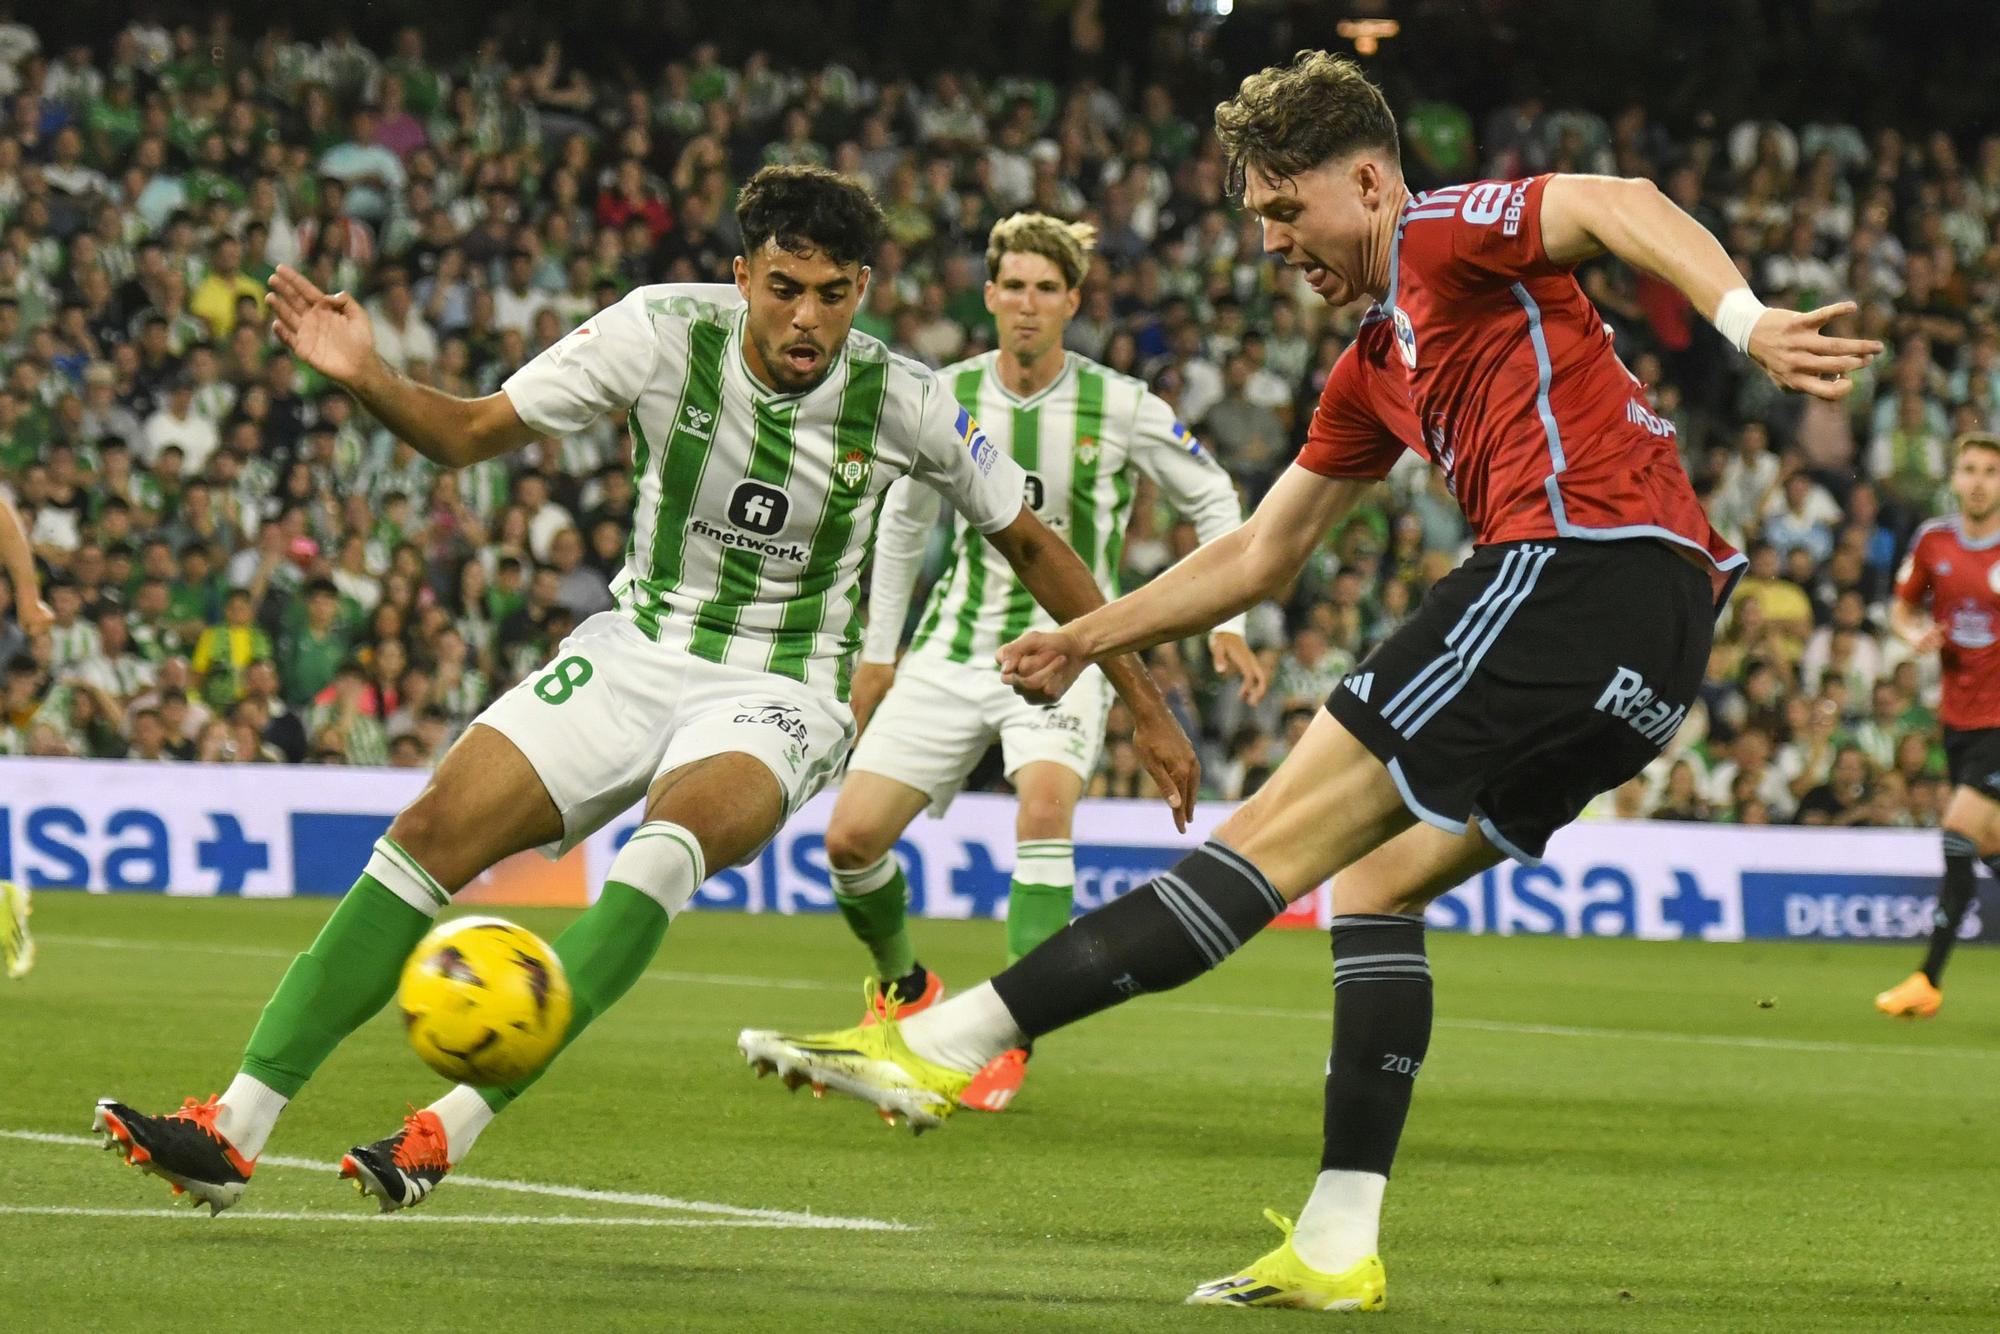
<point>1608,1136</point>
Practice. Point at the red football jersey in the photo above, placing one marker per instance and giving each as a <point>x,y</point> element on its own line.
<point>1961,581</point>
<point>1487,359</point>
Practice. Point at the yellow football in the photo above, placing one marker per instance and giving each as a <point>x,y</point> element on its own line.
<point>484,1001</point>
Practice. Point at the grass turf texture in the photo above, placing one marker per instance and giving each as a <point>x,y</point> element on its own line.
<point>1835,1172</point>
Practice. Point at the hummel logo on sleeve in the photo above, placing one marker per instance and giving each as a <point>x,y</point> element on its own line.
<point>1630,698</point>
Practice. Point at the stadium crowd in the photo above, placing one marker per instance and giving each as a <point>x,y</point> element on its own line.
<point>244,568</point>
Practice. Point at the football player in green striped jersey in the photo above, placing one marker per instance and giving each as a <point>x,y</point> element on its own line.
<point>1082,434</point>
<point>766,435</point>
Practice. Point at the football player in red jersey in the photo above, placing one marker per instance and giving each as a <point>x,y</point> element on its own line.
<point>1552,666</point>
<point>1948,603</point>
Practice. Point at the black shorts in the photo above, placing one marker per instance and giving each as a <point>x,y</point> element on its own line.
<point>1533,677</point>
<point>1973,757</point>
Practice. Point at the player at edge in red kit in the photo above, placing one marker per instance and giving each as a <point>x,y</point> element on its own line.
<point>1948,603</point>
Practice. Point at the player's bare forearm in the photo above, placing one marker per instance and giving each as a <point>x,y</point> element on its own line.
<point>1229,575</point>
<point>1064,587</point>
<point>1587,216</point>
<point>450,431</point>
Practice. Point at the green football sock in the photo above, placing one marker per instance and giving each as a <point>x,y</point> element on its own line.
<point>875,901</point>
<point>603,953</point>
<point>607,949</point>
<point>349,973</point>
<point>1038,902</point>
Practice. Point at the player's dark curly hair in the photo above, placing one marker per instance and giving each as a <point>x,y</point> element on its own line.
<point>1287,119</point>
<point>810,208</point>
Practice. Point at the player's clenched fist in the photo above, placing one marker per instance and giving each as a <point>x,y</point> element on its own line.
<point>1042,665</point>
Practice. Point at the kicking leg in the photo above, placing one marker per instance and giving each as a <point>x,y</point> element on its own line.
<point>484,803</point>
<point>871,813</point>
<point>1329,803</point>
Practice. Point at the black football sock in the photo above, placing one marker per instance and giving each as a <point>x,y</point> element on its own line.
<point>1954,897</point>
<point>1381,1032</point>
<point>1170,930</point>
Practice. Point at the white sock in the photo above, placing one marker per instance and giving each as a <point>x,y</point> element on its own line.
<point>1046,861</point>
<point>250,1108</point>
<point>853,884</point>
<point>663,861</point>
<point>464,1114</point>
<point>1340,1224</point>
<point>964,1031</point>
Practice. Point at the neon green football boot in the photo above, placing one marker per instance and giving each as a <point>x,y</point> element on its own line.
<point>1281,1278</point>
<point>873,1064</point>
<point>17,947</point>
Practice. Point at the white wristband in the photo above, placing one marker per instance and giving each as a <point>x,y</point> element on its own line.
<point>1737,314</point>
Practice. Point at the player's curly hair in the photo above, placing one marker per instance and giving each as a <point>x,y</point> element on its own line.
<point>1287,119</point>
<point>1067,245</point>
<point>810,208</point>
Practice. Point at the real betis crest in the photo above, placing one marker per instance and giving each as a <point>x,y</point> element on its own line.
<point>1086,450</point>
<point>852,470</point>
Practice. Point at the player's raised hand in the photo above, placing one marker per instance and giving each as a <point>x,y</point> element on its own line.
<point>331,334</point>
<point>871,682</point>
<point>1793,351</point>
<point>1169,757</point>
<point>1234,657</point>
<point>1041,665</point>
<point>34,616</point>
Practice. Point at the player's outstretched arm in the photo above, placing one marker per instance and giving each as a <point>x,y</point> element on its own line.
<point>1586,216</point>
<point>1064,587</point>
<point>1218,579</point>
<point>333,336</point>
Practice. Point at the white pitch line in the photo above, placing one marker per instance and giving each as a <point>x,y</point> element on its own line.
<point>1747,1042</point>
<point>404,1219</point>
<point>631,1199</point>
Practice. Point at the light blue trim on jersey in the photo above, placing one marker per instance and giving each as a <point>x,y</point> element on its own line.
<point>1544,372</point>
<point>1456,828</point>
<point>1465,662</point>
<point>1951,521</point>
<point>1502,842</point>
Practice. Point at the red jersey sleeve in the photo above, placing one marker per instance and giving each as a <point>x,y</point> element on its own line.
<point>1913,581</point>
<point>1488,236</point>
<point>1346,439</point>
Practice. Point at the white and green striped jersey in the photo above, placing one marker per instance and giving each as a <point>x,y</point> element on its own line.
<point>756,510</point>
<point>1078,442</point>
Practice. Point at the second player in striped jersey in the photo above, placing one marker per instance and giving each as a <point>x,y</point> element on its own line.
<point>1081,434</point>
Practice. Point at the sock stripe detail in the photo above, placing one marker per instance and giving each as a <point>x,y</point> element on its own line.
<point>1045,846</point>
<point>1959,844</point>
<point>1351,961</point>
<point>394,852</point>
<point>665,829</point>
<point>1339,982</point>
<point>855,884</point>
<point>1210,947</point>
<point>1376,919</point>
<point>1365,969</point>
<point>1206,911</point>
<point>1230,857</point>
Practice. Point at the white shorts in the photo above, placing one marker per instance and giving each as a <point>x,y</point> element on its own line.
<point>613,711</point>
<point>939,717</point>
